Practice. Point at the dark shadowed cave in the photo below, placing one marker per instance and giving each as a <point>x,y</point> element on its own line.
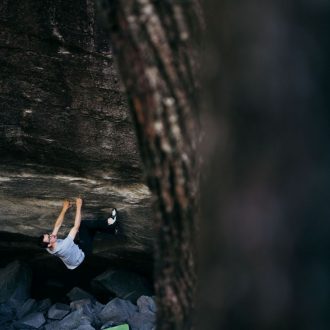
<point>51,279</point>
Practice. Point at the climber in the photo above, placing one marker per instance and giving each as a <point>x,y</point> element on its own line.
<point>66,249</point>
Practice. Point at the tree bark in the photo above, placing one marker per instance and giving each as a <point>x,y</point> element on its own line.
<point>154,43</point>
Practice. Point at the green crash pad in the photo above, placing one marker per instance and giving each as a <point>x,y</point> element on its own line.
<point>119,327</point>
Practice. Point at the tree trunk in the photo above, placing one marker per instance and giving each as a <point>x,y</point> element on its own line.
<point>267,263</point>
<point>154,44</point>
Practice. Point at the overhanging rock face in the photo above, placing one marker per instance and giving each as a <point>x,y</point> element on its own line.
<point>65,128</point>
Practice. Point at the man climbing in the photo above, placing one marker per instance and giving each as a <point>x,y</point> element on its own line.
<point>66,249</point>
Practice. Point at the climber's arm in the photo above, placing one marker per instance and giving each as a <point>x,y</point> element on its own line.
<point>77,221</point>
<point>59,220</point>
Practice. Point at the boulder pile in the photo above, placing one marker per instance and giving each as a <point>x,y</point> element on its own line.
<point>18,310</point>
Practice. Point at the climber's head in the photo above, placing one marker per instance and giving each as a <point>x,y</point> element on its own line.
<point>47,240</point>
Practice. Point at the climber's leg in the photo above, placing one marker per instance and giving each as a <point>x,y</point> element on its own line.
<point>88,228</point>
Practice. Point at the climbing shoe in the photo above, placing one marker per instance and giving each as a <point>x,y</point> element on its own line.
<point>113,217</point>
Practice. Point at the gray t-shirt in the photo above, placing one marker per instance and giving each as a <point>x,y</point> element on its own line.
<point>68,252</point>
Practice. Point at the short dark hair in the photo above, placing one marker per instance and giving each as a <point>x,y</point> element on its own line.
<point>41,242</point>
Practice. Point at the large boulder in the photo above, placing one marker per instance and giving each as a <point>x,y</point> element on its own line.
<point>43,305</point>
<point>15,283</point>
<point>87,307</point>
<point>29,306</point>
<point>71,321</point>
<point>142,321</point>
<point>117,311</point>
<point>85,327</point>
<point>146,304</point>
<point>58,311</point>
<point>78,294</point>
<point>123,284</point>
<point>145,318</point>
<point>7,313</point>
<point>32,321</point>
<point>52,325</point>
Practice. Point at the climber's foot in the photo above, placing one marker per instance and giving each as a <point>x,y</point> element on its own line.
<point>113,217</point>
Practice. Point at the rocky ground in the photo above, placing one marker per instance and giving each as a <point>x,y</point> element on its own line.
<point>126,299</point>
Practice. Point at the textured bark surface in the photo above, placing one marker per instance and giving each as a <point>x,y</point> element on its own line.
<point>65,128</point>
<point>154,42</point>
